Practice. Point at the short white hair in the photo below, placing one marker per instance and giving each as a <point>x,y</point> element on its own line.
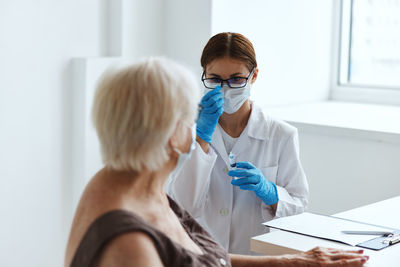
<point>137,109</point>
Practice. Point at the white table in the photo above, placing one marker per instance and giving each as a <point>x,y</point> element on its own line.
<point>384,213</point>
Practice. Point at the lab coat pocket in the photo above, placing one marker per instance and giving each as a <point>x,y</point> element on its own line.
<point>270,173</point>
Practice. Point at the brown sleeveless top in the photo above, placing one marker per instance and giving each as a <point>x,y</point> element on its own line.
<point>118,222</point>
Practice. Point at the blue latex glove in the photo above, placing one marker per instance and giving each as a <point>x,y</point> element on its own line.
<point>252,179</point>
<point>211,109</point>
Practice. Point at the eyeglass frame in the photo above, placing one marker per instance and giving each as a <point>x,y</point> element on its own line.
<point>226,80</point>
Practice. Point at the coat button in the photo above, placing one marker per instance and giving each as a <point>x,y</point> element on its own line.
<point>224,212</point>
<point>222,261</point>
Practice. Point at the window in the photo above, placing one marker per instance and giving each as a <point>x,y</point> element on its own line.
<point>369,46</point>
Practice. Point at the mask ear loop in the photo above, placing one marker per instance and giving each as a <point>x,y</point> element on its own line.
<point>177,151</point>
<point>192,144</point>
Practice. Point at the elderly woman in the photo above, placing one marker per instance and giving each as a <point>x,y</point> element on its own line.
<point>144,116</point>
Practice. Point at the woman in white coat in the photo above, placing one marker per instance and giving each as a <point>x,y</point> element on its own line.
<point>268,180</point>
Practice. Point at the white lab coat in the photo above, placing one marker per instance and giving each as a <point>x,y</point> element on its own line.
<point>231,215</point>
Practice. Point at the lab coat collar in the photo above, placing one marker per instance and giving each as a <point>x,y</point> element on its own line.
<point>256,128</point>
<point>258,123</point>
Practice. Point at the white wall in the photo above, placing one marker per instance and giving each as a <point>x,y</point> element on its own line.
<point>174,28</point>
<point>292,40</point>
<point>346,170</point>
<point>136,28</point>
<point>37,41</point>
<point>187,29</point>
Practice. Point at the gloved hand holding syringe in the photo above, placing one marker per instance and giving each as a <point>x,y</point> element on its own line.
<point>248,177</point>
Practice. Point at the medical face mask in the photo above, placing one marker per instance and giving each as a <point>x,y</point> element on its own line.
<point>183,157</point>
<point>234,98</point>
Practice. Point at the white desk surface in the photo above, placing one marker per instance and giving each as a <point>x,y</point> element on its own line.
<point>384,213</point>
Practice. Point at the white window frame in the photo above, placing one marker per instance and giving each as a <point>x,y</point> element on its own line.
<point>346,92</point>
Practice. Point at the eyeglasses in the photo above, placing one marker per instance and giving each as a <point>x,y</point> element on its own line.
<point>234,82</point>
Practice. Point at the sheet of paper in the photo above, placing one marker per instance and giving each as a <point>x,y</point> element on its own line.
<point>326,227</point>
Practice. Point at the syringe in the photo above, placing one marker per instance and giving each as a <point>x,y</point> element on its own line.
<point>232,160</point>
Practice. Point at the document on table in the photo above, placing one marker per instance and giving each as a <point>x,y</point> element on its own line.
<point>326,227</point>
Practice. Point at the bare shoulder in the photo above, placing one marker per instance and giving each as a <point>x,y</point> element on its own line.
<point>130,249</point>
<point>96,200</point>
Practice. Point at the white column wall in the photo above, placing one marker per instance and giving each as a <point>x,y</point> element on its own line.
<point>136,28</point>
<point>187,29</point>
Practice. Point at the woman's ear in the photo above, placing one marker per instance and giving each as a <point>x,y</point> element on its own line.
<point>255,75</point>
<point>173,141</point>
